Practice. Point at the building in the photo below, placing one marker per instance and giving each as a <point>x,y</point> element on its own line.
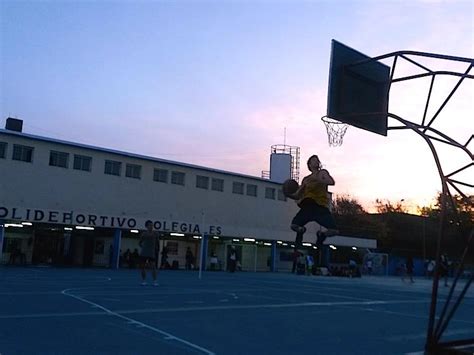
<point>68,203</point>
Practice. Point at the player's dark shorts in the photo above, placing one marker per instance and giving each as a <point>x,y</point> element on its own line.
<point>312,212</point>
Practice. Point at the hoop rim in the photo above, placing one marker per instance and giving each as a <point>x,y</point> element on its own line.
<point>327,119</point>
<point>335,130</point>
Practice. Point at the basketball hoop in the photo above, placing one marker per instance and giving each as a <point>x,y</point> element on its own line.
<point>335,129</point>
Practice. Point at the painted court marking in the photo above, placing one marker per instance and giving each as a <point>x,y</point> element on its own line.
<point>411,315</point>
<point>167,335</point>
<point>423,335</point>
<point>264,306</point>
<point>50,315</point>
<point>120,313</point>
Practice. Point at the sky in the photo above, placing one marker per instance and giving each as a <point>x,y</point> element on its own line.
<point>217,83</point>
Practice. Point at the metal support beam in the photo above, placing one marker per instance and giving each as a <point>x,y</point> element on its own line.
<point>273,261</point>
<point>116,249</point>
<point>2,237</point>
<point>203,253</point>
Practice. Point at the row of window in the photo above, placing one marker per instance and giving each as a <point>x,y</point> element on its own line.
<point>112,167</point>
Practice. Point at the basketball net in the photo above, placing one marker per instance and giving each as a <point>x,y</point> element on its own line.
<point>335,129</point>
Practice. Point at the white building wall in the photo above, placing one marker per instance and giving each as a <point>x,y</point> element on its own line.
<point>37,185</point>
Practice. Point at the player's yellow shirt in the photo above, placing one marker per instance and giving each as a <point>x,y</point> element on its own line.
<point>315,191</point>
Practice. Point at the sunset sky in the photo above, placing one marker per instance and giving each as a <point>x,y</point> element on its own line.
<point>215,83</point>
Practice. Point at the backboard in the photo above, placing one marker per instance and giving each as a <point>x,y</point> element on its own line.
<point>358,89</point>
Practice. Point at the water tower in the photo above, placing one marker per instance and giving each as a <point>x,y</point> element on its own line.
<point>284,163</point>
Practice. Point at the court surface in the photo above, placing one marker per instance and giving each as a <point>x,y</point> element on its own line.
<point>88,311</point>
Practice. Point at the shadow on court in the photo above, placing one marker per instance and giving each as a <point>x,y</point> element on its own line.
<point>76,311</point>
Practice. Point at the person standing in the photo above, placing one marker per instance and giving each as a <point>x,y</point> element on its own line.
<point>409,266</point>
<point>309,264</point>
<point>189,259</point>
<point>214,261</point>
<point>352,268</point>
<point>164,258</point>
<point>444,268</point>
<point>430,268</point>
<point>369,265</point>
<point>294,256</point>
<point>149,243</point>
<point>232,259</point>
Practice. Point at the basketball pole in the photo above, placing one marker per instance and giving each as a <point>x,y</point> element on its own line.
<point>433,344</point>
<point>434,292</point>
<point>344,61</point>
<point>435,331</point>
<point>202,261</point>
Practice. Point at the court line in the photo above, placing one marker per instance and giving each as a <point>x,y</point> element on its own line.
<point>28,293</point>
<point>119,313</point>
<point>51,315</point>
<point>156,291</point>
<point>418,288</point>
<point>402,292</point>
<point>411,315</point>
<point>264,306</point>
<point>362,290</point>
<point>168,336</point>
<point>423,335</point>
<point>296,290</point>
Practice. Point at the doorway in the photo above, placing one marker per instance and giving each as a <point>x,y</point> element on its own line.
<point>48,247</point>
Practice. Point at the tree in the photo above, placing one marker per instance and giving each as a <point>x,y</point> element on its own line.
<point>353,219</point>
<point>460,217</point>
<point>346,205</point>
<point>459,221</point>
<point>389,207</point>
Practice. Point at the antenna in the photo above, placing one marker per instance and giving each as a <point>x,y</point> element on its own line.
<point>284,136</point>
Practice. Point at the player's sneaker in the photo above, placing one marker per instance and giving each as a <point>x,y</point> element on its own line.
<point>156,284</point>
<point>143,283</point>
<point>321,238</point>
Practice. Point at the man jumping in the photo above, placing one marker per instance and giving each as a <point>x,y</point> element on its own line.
<point>312,198</point>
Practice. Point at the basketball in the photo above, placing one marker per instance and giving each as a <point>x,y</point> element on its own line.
<point>289,187</point>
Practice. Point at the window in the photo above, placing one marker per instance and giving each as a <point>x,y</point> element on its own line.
<point>160,175</point>
<point>202,182</point>
<point>217,185</point>
<point>281,195</point>
<point>82,162</point>
<point>238,188</point>
<point>60,159</point>
<point>3,150</point>
<point>22,153</point>
<point>177,178</point>
<point>112,167</point>
<point>133,171</point>
<point>270,193</point>
<point>251,190</point>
